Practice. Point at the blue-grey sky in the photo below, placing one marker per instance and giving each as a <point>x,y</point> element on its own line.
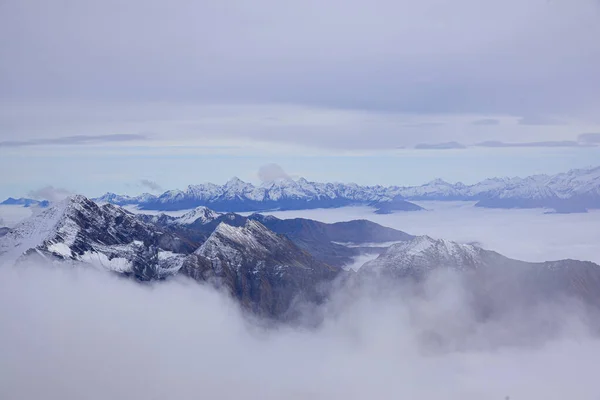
<point>105,95</point>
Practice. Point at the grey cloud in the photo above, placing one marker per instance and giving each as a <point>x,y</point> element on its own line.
<point>424,125</point>
<point>589,138</point>
<point>75,140</point>
<point>440,146</point>
<point>539,120</point>
<point>50,193</point>
<point>388,55</point>
<point>563,143</point>
<point>153,186</point>
<point>391,58</point>
<point>486,122</point>
<point>271,172</point>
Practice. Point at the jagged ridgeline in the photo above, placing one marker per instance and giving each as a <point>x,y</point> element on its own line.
<point>573,191</point>
<point>266,269</point>
<point>270,264</point>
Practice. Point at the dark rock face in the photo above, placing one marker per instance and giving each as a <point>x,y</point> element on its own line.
<point>102,227</point>
<point>266,272</point>
<point>322,240</point>
<point>108,236</point>
<point>4,231</point>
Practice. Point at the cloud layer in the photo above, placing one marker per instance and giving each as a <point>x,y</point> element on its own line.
<point>74,140</point>
<point>373,82</point>
<point>440,146</point>
<point>398,55</point>
<point>49,193</point>
<point>86,334</point>
<point>151,185</point>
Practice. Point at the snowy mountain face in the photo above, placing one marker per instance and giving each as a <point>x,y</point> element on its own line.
<point>199,215</point>
<point>271,265</point>
<point>237,195</point>
<point>265,271</point>
<point>493,281</point>
<point>423,254</point>
<point>326,242</point>
<point>78,230</point>
<point>573,191</point>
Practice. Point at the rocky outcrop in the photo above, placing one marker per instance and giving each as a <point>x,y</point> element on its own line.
<point>106,236</point>
<point>265,271</point>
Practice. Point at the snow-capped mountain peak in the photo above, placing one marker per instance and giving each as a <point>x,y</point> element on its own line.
<point>33,231</point>
<point>424,253</point>
<point>106,236</point>
<point>573,191</point>
<point>252,239</point>
<point>202,215</point>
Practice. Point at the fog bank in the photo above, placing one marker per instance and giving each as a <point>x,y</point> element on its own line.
<point>71,333</point>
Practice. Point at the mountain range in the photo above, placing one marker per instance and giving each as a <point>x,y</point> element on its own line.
<point>574,191</point>
<point>273,266</point>
<point>264,269</point>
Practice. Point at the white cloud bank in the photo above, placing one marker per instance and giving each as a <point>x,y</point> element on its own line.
<point>80,333</point>
<point>271,172</point>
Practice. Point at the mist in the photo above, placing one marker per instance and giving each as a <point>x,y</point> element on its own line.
<point>76,332</point>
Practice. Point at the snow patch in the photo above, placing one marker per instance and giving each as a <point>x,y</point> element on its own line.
<point>60,249</point>
<point>116,264</point>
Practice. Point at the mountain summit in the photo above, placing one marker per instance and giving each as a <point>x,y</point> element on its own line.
<point>493,281</point>
<point>79,230</point>
<point>267,272</point>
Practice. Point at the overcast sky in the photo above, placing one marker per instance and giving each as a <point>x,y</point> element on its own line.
<point>98,95</point>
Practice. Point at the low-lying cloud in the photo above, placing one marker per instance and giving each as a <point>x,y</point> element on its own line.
<point>561,143</point>
<point>539,120</point>
<point>271,172</point>
<point>589,138</point>
<point>50,193</point>
<point>440,146</point>
<point>84,333</point>
<point>151,185</point>
<point>486,122</point>
<point>75,140</point>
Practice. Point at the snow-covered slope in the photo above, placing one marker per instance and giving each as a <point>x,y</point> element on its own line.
<point>263,270</point>
<point>493,281</point>
<point>234,243</point>
<point>424,253</point>
<point>237,195</point>
<point>573,191</point>
<point>77,229</point>
<point>199,215</point>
